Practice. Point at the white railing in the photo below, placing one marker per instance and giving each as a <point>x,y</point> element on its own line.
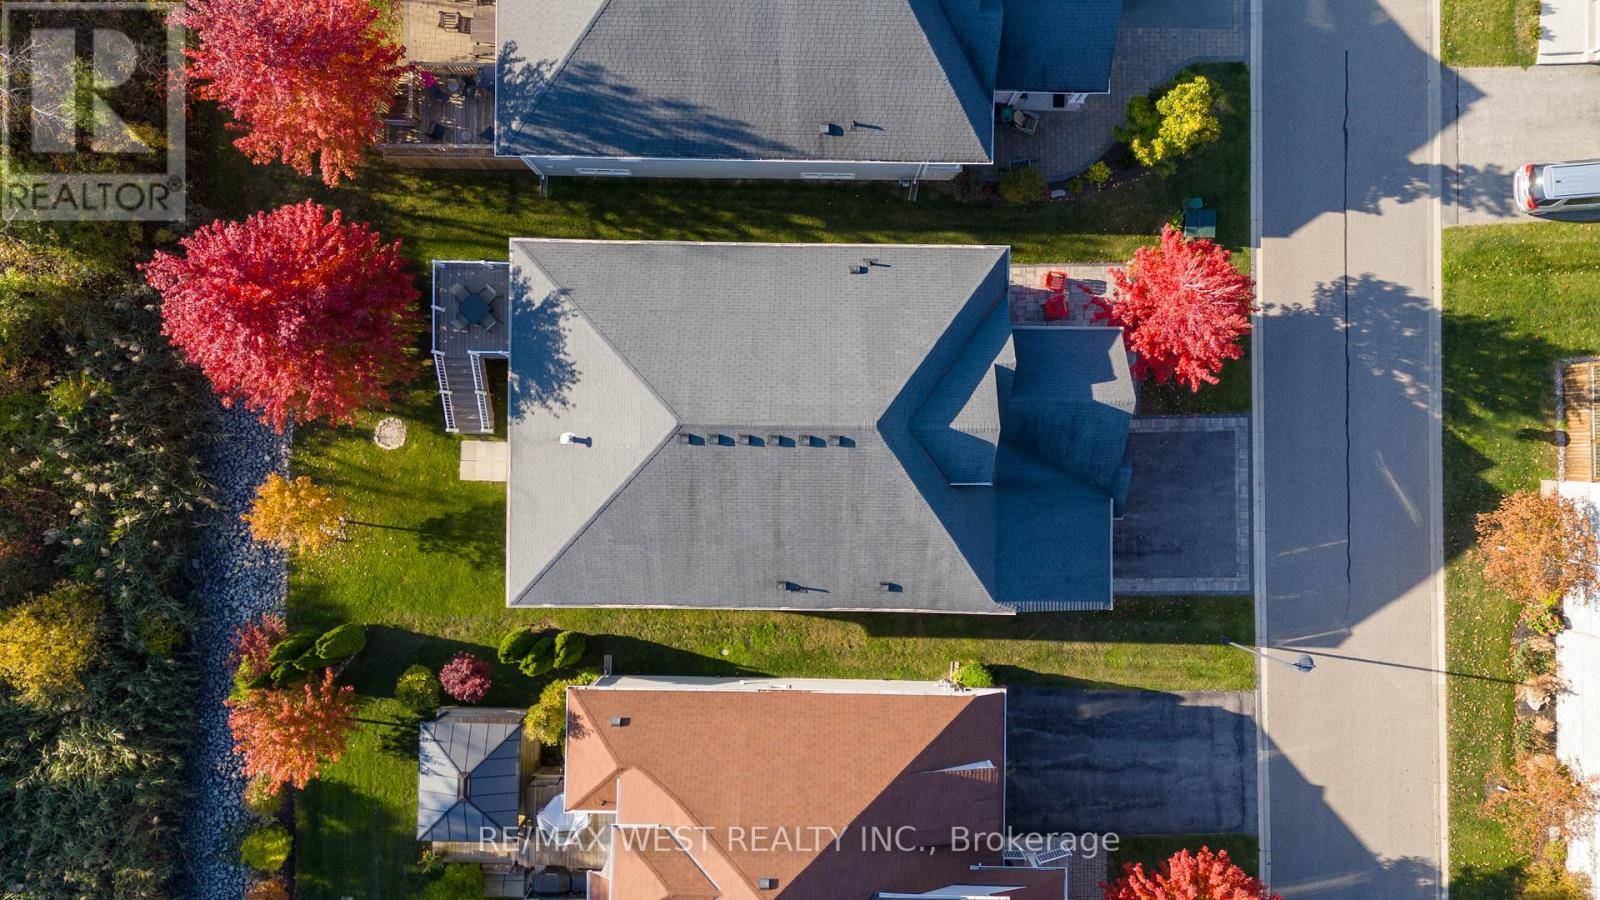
<point>481,389</point>
<point>444,391</point>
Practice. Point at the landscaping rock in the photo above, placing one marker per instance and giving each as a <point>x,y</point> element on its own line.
<point>234,581</point>
<point>390,434</point>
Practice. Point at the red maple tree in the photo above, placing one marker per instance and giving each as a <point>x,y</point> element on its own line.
<point>1207,875</point>
<point>287,735</point>
<point>1183,307</point>
<point>300,77</point>
<point>293,312</point>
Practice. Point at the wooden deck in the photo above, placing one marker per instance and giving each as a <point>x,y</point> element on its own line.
<point>1580,389</point>
<point>590,850</point>
<point>459,349</point>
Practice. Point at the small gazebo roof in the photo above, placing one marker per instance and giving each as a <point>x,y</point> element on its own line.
<point>468,772</point>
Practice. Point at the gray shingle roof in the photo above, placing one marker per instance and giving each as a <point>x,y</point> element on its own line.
<point>1058,45</point>
<point>743,79</point>
<point>468,774</point>
<point>676,365</point>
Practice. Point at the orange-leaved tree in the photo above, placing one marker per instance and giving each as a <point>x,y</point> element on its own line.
<point>297,515</point>
<point>1183,308</point>
<point>302,78</point>
<point>294,312</point>
<point>1207,875</point>
<point>1541,801</point>
<point>1537,549</point>
<point>286,735</point>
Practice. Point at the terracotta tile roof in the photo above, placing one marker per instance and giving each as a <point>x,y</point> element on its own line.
<point>805,766</point>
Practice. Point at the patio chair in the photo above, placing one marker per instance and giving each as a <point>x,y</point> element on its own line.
<point>1025,121</point>
<point>1056,309</point>
<point>438,132</point>
<point>450,21</point>
<point>459,323</point>
<point>1056,281</point>
<point>489,322</point>
<point>488,293</point>
<point>458,291</point>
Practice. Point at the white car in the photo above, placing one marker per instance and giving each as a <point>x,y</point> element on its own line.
<point>1541,189</point>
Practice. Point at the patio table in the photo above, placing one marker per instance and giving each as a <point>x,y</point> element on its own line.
<point>474,309</point>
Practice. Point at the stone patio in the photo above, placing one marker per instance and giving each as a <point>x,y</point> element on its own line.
<point>1158,38</point>
<point>1028,295</point>
<point>483,461</point>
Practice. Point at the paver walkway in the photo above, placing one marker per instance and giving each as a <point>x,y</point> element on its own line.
<point>1146,55</point>
<point>1186,526</point>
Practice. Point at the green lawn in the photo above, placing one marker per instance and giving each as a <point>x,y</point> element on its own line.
<point>1153,850</point>
<point>1517,299</point>
<point>1490,32</point>
<point>424,565</point>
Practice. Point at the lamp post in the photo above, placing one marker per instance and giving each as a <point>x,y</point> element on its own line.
<point>1304,664</point>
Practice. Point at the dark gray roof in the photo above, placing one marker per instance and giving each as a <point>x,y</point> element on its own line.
<point>744,79</point>
<point>468,774</point>
<point>1058,45</point>
<point>665,360</point>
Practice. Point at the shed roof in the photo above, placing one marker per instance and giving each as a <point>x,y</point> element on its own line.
<point>468,774</point>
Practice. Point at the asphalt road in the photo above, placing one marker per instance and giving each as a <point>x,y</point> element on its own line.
<point>1347,446</point>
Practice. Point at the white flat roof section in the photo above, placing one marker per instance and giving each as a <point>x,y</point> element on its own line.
<point>1578,706</point>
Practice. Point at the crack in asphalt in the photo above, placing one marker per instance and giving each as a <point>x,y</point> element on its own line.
<point>1349,478</point>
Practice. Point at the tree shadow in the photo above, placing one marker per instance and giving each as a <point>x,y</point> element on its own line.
<point>1136,620</point>
<point>586,109</point>
<point>474,533</point>
<point>540,371</point>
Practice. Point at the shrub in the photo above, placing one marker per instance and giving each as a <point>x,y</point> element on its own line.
<point>1542,805</point>
<point>1549,879</point>
<point>262,798</point>
<point>271,889</point>
<point>1528,738</point>
<point>546,721</point>
<point>967,185</point>
<point>47,642</point>
<point>466,678</point>
<point>541,657</point>
<point>1529,660</point>
<point>458,881</point>
<point>516,644</point>
<point>1160,131</point>
<point>1023,184</point>
<point>296,516</point>
<point>161,633</point>
<point>1098,174</point>
<point>266,848</point>
<point>418,689</point>
<point>1537,549</point>
<point>293,646</point>
<point>569,649</point>
<point>972,675</point>
<point>339,643</point>
<point>1075,185</point>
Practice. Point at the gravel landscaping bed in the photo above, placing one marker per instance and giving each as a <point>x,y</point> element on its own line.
<point>235,580</point>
